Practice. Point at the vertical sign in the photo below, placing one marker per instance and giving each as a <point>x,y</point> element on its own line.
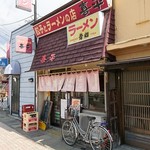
<point>24,5</point>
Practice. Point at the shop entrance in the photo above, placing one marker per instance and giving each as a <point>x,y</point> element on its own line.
<point>15,95</point>
<point>136,106</point>
<point>56,109</point>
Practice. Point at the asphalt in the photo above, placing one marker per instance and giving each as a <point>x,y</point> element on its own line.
<point>12,137</point>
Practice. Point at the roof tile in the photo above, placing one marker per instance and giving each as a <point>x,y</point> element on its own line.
<point>56,43</point>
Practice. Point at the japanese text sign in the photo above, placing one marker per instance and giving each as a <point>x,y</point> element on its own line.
<point>86,28</point>
<point>24,5</point>
<point>71,14</point>
<point>51,57</point>
<point>23,44</point>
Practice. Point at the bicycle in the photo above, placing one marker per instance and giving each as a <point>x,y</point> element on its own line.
<point>96,134</point>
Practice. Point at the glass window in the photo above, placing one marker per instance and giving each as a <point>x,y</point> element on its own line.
<point>92,100</point>
<point>96,101</point>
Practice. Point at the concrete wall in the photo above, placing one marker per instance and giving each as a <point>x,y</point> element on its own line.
<point>27,89</point>
<point>132,29</point>
<point>132,19</point>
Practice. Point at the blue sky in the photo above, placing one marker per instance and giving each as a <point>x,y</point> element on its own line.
<point>12,18</point>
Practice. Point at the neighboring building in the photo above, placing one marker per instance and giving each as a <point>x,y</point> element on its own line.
<point>3,79</point>
<point>129,75</point>
<point>21,82</point>
<point>67,70</point>
<point>3,83</point>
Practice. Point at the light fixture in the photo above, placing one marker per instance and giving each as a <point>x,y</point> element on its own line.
<point>30,79</point>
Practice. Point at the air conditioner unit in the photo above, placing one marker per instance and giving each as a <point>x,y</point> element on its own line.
<point>83,120</point>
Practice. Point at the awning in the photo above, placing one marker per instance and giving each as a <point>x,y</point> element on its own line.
<point>78,82</point>
<point>54,52</point>
<point>126,63</point>
<point>13,68</point>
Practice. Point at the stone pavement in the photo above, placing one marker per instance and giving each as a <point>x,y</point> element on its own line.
<point>12,137</point>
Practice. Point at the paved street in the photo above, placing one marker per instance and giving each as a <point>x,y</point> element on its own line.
<point>11,140</point>
<point>14,138</point>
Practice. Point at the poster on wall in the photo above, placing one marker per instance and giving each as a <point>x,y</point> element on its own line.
<point>63,107</point>
<point>76,103</point>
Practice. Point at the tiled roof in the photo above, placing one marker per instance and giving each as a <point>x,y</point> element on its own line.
<point>82,52</point>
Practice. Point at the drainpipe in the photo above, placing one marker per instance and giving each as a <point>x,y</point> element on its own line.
<point>105,89</point>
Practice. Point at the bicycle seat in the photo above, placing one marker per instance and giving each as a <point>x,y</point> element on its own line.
<point>91,118</point>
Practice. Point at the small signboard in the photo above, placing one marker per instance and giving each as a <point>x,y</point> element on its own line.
<point>24,5</point>
<point>23,44</point>
<point>3,62</point>
<point>86,28</point>
<point>76,103</point>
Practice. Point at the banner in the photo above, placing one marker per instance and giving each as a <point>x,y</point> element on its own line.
<point>81,82</point>
<point>69,84</point>
<point>41,86</point>
<point>93,81</point>
<point>69,15</point>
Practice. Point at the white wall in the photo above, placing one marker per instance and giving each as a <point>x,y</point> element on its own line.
<point>27,89</point>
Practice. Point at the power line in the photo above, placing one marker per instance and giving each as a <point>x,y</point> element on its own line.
<point>1,48</point>
<point>15,21</point>
<point>4,34</point>
<point>4,38</point>
<point>6,30</point>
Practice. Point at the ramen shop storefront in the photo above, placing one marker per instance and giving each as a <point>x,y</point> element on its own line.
<point>67,88</point>
<point>66,59</point>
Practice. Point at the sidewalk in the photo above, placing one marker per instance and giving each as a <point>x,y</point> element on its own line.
<point>14,138</point>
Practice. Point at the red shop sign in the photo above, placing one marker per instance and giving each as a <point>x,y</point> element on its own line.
<point>23,44</point>
<point>71,14</point>
<point>24,5</point>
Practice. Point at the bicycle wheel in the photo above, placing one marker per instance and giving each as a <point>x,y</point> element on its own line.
<point>100,139</point>
<point>69,132</point>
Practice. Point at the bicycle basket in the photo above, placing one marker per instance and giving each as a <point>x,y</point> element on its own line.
<point>73,112</point>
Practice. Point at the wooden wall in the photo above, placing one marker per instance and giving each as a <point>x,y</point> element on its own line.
<point>27,89</point>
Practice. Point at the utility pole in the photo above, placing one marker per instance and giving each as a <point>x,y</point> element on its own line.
<point>35,18</point>
<point>35,73</point>
<point>35,10</point>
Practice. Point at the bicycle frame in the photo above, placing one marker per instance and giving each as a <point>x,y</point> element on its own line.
<point>84,134</point>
